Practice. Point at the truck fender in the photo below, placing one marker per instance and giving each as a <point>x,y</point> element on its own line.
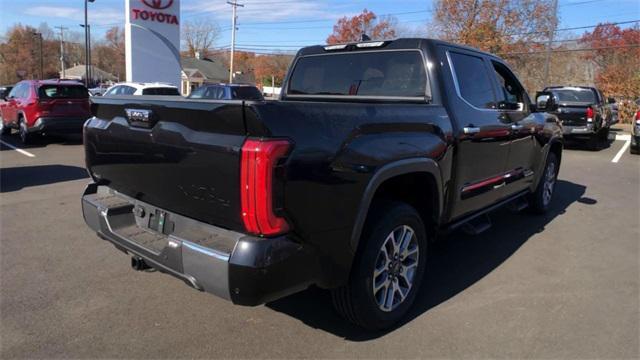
<point>388,171</point>
<point>555,141</point>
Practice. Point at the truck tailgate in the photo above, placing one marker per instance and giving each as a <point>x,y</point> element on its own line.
<point>573,114</point>
<point>185,159</point>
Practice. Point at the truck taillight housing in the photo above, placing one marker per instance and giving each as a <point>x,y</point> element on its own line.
<point>258,162</point>
<point>589,114</point>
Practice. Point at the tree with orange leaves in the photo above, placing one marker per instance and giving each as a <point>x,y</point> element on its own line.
<point>496,26</point>
<point>351,29</point>
<point>617,58</point>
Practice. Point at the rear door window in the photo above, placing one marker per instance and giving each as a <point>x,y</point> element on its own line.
<point>62,92</point>
<point>394,74</point>
<point>473,81</point>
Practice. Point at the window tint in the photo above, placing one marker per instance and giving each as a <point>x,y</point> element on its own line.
<point>208,92</point>
<point>510,92</point>
<point>16,91</point>
<point>127,90</point>
<point>62,91</point>
<point>246,93</point>
<point>574,95</point>
<point>112,91</point>
<point>160,91</point>
<point>473,80</point>
<point>384,73</point>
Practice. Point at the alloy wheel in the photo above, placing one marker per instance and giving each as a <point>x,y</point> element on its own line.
<point>395,268</point>
<point>549,183</point>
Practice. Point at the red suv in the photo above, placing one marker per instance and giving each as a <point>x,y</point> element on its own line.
<point>47,106</point>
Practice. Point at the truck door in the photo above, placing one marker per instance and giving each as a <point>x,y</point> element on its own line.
<point>513,106</point>
<point>483,137</point>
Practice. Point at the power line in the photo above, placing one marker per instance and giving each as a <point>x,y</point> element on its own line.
<point>630,46</point>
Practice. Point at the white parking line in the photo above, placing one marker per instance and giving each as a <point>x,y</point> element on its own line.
<point>26,153</point>
<point>627,143</point>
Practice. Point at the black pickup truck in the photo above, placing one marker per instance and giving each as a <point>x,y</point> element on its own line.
<point>374,150</point>
<point>584,112</point>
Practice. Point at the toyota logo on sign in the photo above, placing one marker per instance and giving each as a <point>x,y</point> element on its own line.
<point>158,4</point>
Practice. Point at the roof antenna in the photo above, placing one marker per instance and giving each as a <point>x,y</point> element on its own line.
<point>365,37</point>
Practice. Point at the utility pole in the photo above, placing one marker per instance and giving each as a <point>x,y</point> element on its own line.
<point>89,68</point>
<point>234,4</point>
<point>86,42</point>
<point>39,35</point>
<point>62,69</point>
<point>551,33</point>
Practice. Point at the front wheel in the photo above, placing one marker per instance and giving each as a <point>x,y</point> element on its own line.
<point>388,269</point>
<point>540,200</point>
<point>4,129</point>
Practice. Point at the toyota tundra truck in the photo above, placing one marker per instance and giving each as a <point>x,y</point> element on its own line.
<point>373,151</point>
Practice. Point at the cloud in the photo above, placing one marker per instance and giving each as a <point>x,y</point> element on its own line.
<point>99,17</point>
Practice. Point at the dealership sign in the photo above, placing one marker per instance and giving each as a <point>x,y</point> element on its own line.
<point>155,14</point>
<point>152,35</point>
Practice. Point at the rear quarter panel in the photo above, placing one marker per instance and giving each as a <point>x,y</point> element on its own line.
<point>338,147</point>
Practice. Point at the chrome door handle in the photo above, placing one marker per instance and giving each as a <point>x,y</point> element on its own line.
<point>470,130</point>
<point>516,127</point>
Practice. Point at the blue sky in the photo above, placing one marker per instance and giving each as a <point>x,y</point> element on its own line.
<point>284,24</point>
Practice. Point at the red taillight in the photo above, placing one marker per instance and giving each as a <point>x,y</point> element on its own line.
<point>589,114</point>
<point>637,116</point>
<point>259,158</point>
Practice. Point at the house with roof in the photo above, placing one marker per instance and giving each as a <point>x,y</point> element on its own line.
<point>97,75</point>
<point>199,71</point>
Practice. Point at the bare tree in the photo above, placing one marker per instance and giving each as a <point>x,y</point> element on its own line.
<point>199,36</point>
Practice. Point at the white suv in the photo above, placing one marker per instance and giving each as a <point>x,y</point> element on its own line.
<point>133,88</point>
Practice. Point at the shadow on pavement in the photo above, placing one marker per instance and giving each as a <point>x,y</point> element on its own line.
<point>16,178</point>
<point>453,265</point>
<point>41,141</point>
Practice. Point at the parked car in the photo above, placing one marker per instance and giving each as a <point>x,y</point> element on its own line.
<point>227,92</point>
<point>584,113</point>
<point>5,90</point>
<point>133,88</point>
<point>635,131</point>
<point>374,149</point>
<point>47,106</point>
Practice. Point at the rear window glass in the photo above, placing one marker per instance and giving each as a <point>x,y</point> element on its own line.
<point>63,91</point>
<point>574,95</point>
<point>208,92</point>
<point>160,91</point>
<point>246,93</point>
<point>383,73</point>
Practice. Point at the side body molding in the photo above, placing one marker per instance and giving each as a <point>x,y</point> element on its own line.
<point>388,171</point>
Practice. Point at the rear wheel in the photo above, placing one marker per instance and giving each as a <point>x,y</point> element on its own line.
<point>594,142</point>
<point>25,137</point>
<point>388,269</point>
<point>540,200</point>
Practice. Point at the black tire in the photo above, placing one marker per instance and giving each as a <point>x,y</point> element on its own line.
<point>357,301</point>
<point>25,136</point>
<point>594,142</point>
<point>540,200</point>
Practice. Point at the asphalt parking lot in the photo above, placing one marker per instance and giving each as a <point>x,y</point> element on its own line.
<point>563,285</point>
